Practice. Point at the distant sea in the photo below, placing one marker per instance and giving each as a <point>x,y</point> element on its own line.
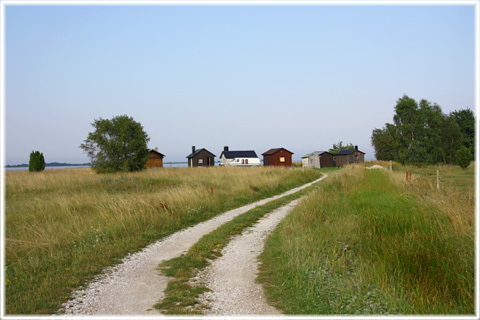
<point>47,167</point>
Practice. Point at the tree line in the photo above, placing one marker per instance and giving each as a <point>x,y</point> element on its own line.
<point>422,133</point>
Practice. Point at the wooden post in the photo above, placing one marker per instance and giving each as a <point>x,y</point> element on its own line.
<point>438,180</point>
<point>390,165</point>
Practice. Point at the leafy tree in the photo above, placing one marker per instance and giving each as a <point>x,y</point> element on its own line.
<point>421,133</point>
<point>451,139</point>
<point>427,147</point>
<point>37,162</point>
<point>383,140</point>
<point>339,147</point>
<point>404,121</point>
<point>119,144</point>
<point>466,121</point>
<point>463,157</point>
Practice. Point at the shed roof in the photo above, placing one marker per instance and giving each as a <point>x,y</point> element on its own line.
<point>239,154</point>
<point>343,152</point>
<point>274,150</point>
<point>197,152</point>
<point>155,151</point>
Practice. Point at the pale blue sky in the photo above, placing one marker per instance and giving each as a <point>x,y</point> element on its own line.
<point>250,77</point>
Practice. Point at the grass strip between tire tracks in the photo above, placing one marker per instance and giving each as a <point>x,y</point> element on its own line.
<point>180,296</point>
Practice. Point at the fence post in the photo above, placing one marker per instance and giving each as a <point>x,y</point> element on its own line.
<point>390,165</point>
<point>438,180</point>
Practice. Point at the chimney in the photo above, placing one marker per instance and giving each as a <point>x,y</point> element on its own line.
<point>156,149</point>
<point>356,148</point>
<point>193,149</point>
<point>225,149</point>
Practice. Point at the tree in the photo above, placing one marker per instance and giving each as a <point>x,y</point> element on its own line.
<point>466,121</point>
<point>339,147</point>
<point>383,140</point>
<point>463,157</point>
<point>427,147</point>
<point>421,133</point>
<point>451,139</point>
<point>119,144</point>
<point>405,125</point>
<point>37,162</point>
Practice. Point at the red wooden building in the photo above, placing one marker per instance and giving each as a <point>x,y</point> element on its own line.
<point>277,157</point>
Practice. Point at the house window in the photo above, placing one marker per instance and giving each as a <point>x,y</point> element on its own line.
<point>246,161</point>
<point>282,159</point>
<point>356,157</point>
<point>200,161</point>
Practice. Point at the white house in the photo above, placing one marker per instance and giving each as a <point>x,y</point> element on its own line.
<point>244,158</point>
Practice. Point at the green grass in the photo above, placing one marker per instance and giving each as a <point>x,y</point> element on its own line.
<point>64,226</point>
<point>368,242</point>
<point>180,296</point>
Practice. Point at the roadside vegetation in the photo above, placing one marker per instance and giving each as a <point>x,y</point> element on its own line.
<point>370,242</point>
<point>64,226</point>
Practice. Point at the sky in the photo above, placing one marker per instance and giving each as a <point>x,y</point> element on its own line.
<point>248,77</point>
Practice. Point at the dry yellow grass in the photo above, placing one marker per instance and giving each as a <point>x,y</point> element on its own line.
<point>63,226</point>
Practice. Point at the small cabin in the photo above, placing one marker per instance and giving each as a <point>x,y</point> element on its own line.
<point>277,157</point>
<point>318,159</point>
<point>245,158</point>
<point>201,158</point>
<point>351,156</point>
<point>155,159</point>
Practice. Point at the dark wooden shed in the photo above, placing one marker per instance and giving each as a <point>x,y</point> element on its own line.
<point>201,158</point>
<point>326,159</point>
<point>277,157</point>
<point>351,156</point>
<point>155,159</point>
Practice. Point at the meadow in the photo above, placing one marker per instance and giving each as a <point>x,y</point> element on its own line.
<point>370,242</point>
<point>64,226</point>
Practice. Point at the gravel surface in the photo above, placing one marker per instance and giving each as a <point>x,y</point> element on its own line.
<point>135,285</point>
<point>231,277</point>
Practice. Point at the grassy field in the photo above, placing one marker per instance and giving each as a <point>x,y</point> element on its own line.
<point>370,242</point>
<point>65,226</point>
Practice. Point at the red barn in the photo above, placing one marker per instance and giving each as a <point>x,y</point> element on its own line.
<point>277,157</point>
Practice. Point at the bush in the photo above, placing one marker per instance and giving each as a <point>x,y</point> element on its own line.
<point>463,157</point>
<point>37,162</point>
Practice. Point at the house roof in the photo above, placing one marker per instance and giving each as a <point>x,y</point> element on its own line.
<point>343,152</point>
<point>239,154</point>
<point>155,151</point>
<point>197,152</point>
<point>273,151</point>
<point>307,155</point>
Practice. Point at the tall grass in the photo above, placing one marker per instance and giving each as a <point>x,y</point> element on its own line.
<point>371,242</point>
<point>65,226</point>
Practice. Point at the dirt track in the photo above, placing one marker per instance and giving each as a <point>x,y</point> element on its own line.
<point>135,285</point>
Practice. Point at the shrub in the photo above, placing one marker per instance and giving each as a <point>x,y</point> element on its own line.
<point>463,157</point>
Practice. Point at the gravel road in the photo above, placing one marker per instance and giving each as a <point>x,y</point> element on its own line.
<point>232,276</point>
<point>135,285</point>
